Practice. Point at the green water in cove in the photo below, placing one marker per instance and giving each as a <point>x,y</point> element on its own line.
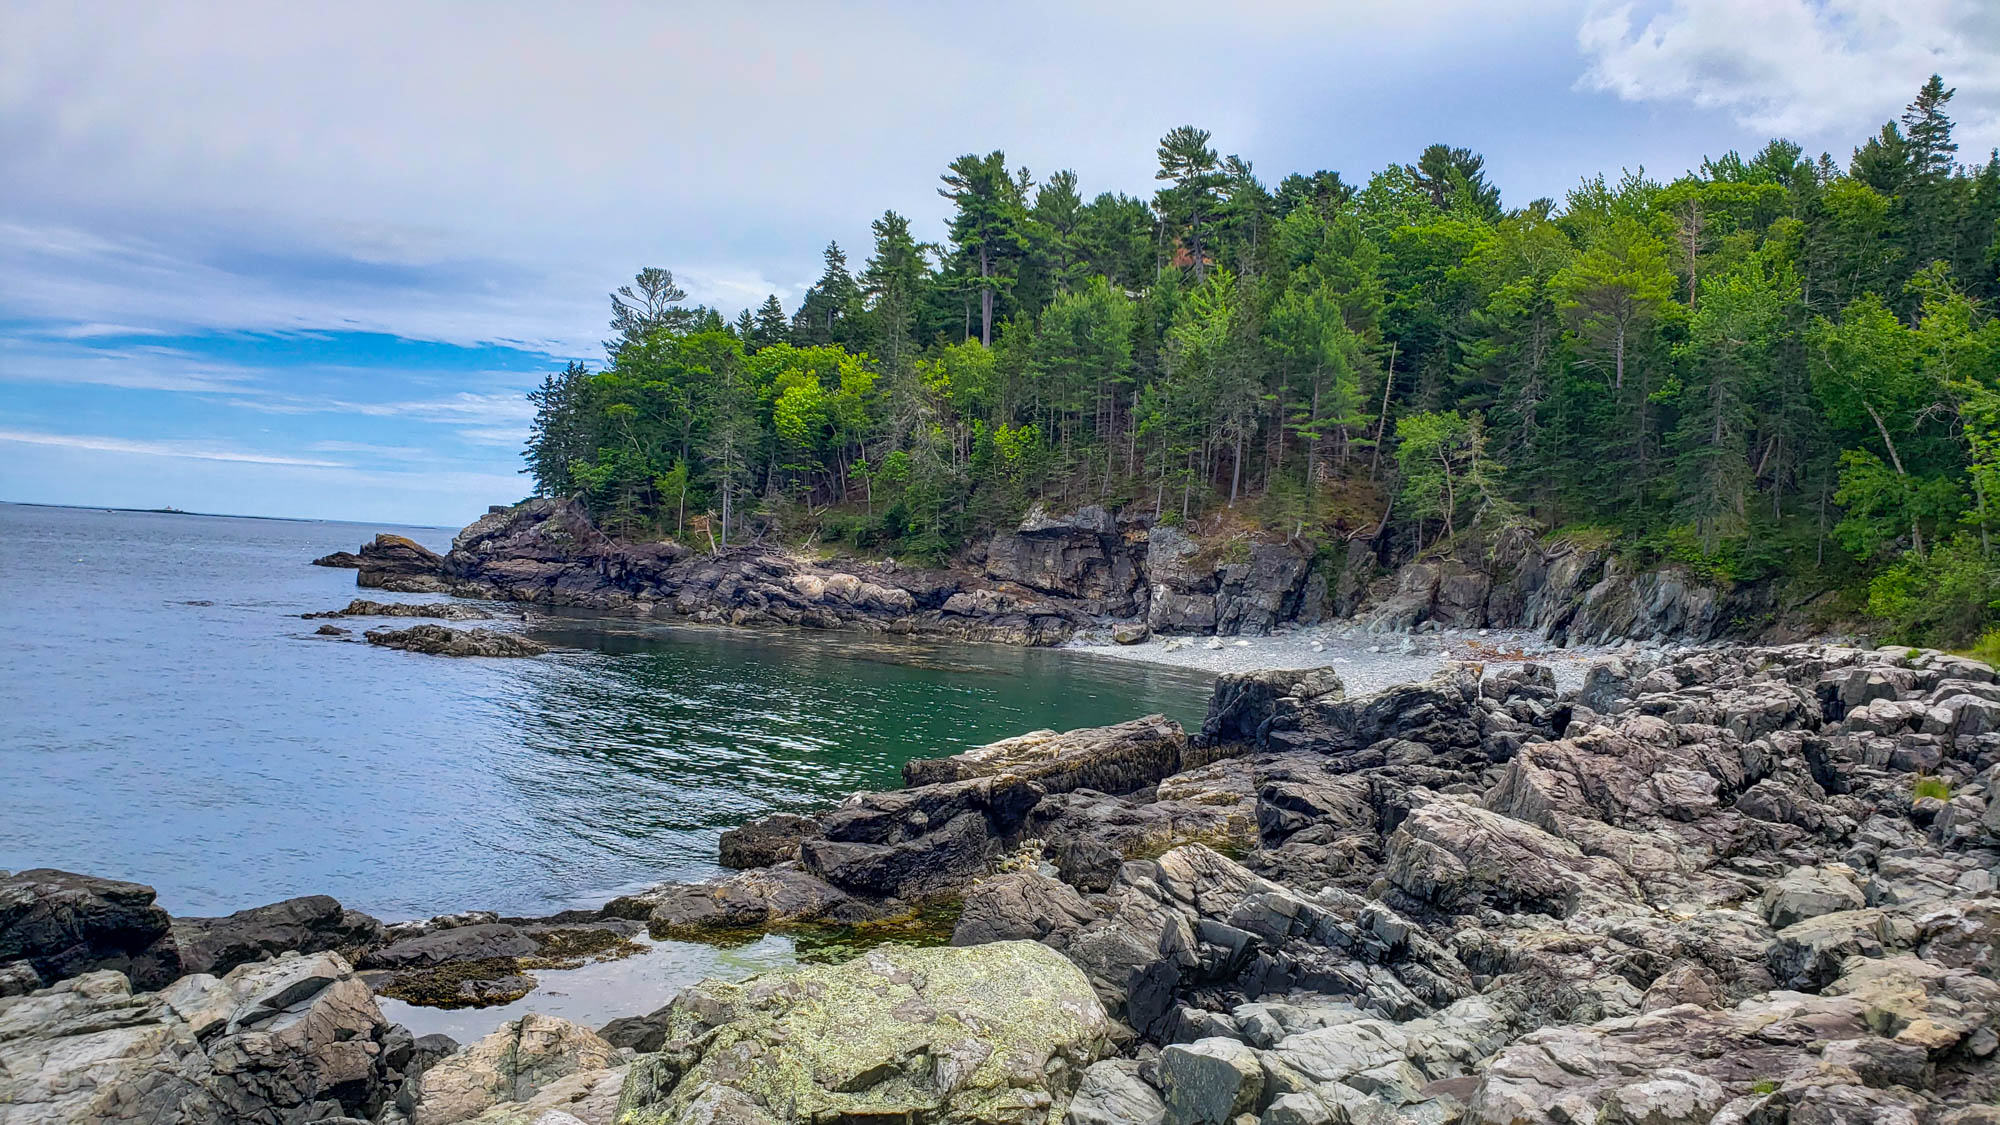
<point>165,716</point>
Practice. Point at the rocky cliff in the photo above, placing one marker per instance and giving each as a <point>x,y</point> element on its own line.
<point>1053,576</point>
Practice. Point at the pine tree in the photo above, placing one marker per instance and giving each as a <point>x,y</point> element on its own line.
<point>986,227</point>
<point>771,326</point>
<point>1195,173</point>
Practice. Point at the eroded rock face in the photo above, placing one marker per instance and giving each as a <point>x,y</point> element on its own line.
<point>996,1033</point>
<point>61,924</point>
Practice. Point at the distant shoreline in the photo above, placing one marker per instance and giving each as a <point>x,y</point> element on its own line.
<point>219,515</point>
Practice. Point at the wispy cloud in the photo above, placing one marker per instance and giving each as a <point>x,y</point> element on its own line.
<point>395,452</point>
<point>188,450</point>
<point>1801,67</point>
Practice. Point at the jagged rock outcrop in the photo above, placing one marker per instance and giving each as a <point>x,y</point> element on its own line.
<point>309,924</point>
<point>57,924</point>
<point>443,611</point>
<point>440,640</point>
<point>1055,574</point>
<point>1706,887</point>
<point>1113,759</point>
<point>291,1040</point>
<point>401,564</point>
<point>1084,555</point>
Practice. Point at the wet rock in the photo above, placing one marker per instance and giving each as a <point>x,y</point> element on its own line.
<point>1131,634</point>
<point>460,943</point>
<point>332,631</point>
<point>62,924</point>
<point>310,924</point>
<point>762,843</point>
<point>401,564</point>
<point>445,611</point>
<point>755,899</point>
<point>341,560</point>
<point>439,640</point>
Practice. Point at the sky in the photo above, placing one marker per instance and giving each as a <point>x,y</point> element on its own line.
<point>307,259</point>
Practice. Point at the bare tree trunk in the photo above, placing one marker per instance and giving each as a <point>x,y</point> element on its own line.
<point>1236,468</point>
<point>1381,427</point>
<point>1916,534</point>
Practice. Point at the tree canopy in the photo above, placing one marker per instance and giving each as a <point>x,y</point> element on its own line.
<point>1769,366</point>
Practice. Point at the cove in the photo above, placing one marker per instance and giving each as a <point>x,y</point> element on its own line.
<point>170,719</point>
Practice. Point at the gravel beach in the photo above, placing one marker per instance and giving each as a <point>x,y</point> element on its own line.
<point>1365,661</point>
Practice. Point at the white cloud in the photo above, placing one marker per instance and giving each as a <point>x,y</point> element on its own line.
<point>1811,69</point>
<point>498,168</point>
<point>188,450</point>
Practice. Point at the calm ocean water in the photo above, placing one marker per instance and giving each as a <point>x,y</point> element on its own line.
<point>165,716</point>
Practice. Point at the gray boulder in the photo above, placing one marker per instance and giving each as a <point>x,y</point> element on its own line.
<point>1210,1081</point>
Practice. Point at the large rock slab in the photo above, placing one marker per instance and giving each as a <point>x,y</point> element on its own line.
<point>1113,759</point>
<point>442,640</point>
<point>998,1033</point>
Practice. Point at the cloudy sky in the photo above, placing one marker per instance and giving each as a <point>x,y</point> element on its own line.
<point>305,259</point>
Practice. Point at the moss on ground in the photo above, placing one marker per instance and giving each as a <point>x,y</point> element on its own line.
<point>442,986</point>
<point>566,949</point>
<point>930,924</point>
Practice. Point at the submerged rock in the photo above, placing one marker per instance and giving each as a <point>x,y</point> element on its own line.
<point>438,640</point>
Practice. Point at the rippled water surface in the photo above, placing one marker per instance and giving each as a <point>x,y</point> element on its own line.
<point>165,716</point>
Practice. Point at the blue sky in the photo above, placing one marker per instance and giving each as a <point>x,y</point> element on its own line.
<point>264,259</point>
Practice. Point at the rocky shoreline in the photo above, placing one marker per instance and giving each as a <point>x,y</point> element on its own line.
<point>1090,573</point>
<point>1735,884</point>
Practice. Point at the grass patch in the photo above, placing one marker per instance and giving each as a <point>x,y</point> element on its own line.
<point>1930,787</point>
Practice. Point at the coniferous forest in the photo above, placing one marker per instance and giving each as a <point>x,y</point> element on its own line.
<point>1774,367</point>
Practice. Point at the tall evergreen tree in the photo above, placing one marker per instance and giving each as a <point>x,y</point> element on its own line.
<point>985,226</point>
<point>1194,171</point>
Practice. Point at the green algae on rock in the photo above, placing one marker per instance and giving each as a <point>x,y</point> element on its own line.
<point>999,1033</point>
